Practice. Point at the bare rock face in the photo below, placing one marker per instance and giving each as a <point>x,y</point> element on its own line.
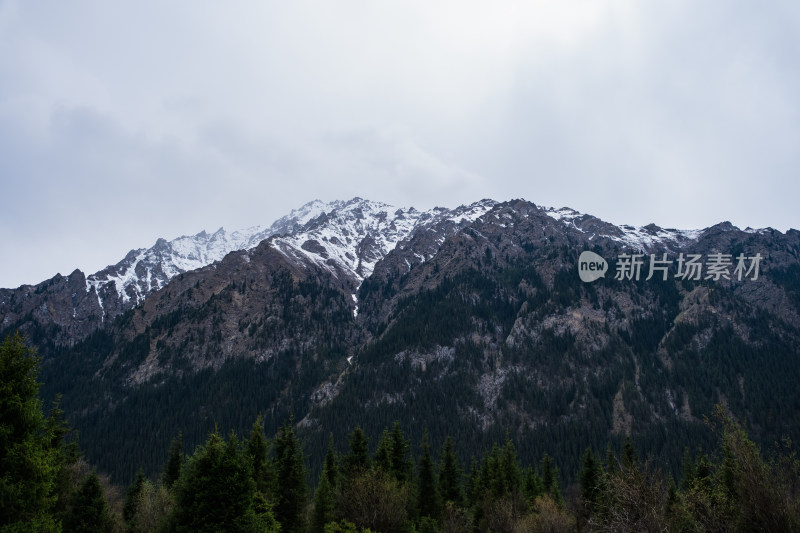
<point>60,306</point>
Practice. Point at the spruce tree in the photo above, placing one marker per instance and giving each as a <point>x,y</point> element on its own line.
<point>589,479</point>
<point>324,505</point>
<point>450,475</point>
<point>293,491</point>
<point>28,462</point>
<point>216,489</point>
<point>357,461</point>
<point>533,485</point>
<point>383,455</point>
<point>509,472</point>
<point>401,462</point>
<point>67,456</point>
<point>550,478</point>
<point>474,487</point>
<point>132,497</point>
<point>89,511</point>
<point>428,502</point>
<point>589,482</point>
<point>324,496</point>
<point>331,467</point>
<point>258,450</point>
<point>172,470</point>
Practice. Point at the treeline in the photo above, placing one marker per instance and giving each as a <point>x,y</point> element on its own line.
<point>254,484</point>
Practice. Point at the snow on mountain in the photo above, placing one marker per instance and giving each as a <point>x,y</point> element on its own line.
<point>642,238</point>
<point>348,235</point>
<point>148,269</point>
<point>348,238</point>
<point>357,234</point>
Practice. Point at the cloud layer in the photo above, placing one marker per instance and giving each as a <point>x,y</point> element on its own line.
<point>124,122</point>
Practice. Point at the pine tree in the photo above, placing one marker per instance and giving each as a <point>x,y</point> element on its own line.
<point>383,455</point>
<point>450,475</point>
<point>401,462</point>
<point>428,503</point>
<point>324,505</point>
<point>589,482</point>
<point>324,496</point>
<point>702,472</point>
<point>174,463</point>
<point>474,487</point>
<point>356,462</point>
<point>331,467</point>
<point>132,497</point>
<point>67,456</point>
<point>258,450</point>
<point>589,479</point>
<point>89,512</point>
<point>533,485</point>
<point>550,478</point>
<point>216,489</point>
<point>509,472</point>
<point>293,491</point>
<point>28,462</point>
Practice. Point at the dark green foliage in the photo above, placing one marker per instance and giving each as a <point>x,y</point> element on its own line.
<point>89,512</point>
<point>508,469</point>
<point>550,478</point>
<point>324,504</point>
<point>533,485</point>
<point>330,468</point>
<point>383,454</point>
<point>428,499</point>
<point>28,461</point>
<point>216,489</point>
<point>132,497</point>
<point>357,461</point>
<point>174,463</point>
<point>293,492</point>
<point>590,480</point>
<point>450,475</point>
<point>401,464</point>
<point>67,459</point>
<point>325,495</point>
<point>263,467</point>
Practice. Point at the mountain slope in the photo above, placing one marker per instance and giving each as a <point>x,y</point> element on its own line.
<point>474,324</point>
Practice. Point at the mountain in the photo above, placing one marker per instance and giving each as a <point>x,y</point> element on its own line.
<point>71,307</point>
<point>346,237</point>
<point>472,322</point>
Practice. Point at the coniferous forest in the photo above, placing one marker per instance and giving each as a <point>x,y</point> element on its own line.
<point>254,482</point>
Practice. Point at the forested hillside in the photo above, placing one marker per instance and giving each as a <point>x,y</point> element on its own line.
<point>252,483</point>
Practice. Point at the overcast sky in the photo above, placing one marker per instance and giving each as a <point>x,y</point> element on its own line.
<point>122,122</point>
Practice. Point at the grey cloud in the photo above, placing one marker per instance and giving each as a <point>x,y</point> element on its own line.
<point>121,124</point>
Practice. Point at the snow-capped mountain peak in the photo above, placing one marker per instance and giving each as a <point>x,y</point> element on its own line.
<point>355,235</point>
<point>148,269</point>
<point>345,236</point>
